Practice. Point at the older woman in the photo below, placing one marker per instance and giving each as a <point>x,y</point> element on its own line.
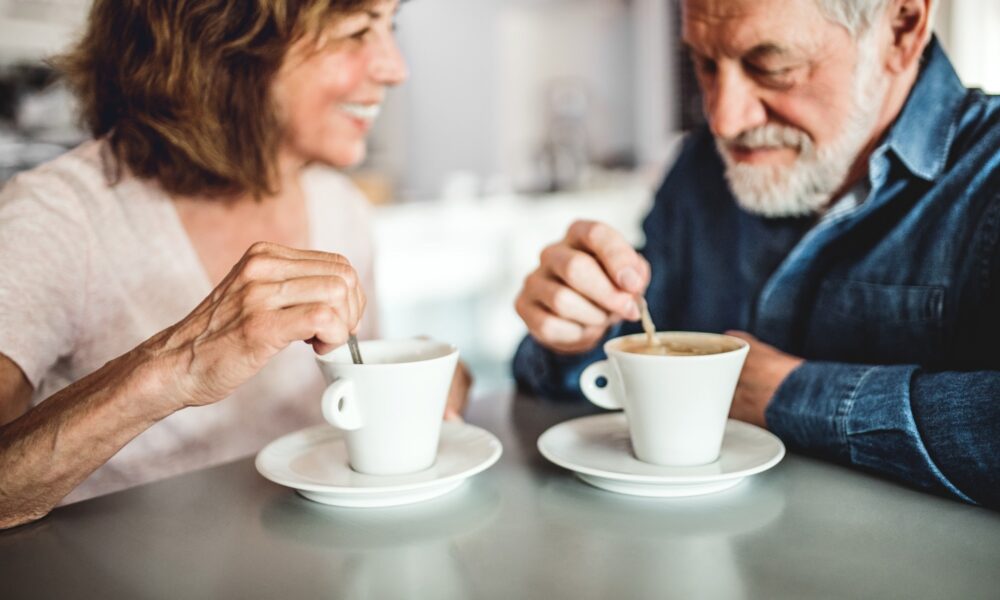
<point>215,124</point>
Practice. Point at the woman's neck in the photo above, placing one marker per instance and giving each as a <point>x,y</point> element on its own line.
<point>221,229</point>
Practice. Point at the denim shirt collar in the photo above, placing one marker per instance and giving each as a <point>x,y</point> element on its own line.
<point>922,135</point>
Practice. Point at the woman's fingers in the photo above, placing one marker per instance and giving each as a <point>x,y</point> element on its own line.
<point>324,326</point>
<point>272,276</point>
<point>339,290</point>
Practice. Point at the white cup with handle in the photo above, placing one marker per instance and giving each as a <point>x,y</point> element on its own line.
<point>676,404</point>
<point>390,407</point>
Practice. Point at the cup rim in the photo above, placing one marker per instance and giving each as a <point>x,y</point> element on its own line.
<point>329,358</point>
<point>744,346</point>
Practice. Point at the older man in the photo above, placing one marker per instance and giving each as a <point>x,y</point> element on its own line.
<point>844,208</point>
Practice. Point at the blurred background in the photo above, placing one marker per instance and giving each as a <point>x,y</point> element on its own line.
<point>520,116</point>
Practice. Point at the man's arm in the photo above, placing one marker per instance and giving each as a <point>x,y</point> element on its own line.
<point>541,371</point>
<point>583,288</point>
<point>939,431</point>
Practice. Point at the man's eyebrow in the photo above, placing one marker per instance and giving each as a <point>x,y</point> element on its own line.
<point>759,51</point>
<point>768,49</point>
<point>688,48</point>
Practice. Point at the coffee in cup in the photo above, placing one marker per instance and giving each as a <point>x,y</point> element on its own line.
<point>674,346</point>
<point>390,407</point>
<point>676,392</point>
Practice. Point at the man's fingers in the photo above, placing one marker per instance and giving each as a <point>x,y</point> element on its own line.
<point>581,271</point>
<point>564,302</point>
<point>624,266</point>
<point>548,328</point>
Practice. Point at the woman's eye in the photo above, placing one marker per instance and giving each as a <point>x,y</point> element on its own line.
<point>360,34</point>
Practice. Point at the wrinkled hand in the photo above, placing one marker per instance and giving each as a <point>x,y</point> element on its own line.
<point>765,369</point>
<point>458,395</point>
<point>583,285</point>
<point>272,297</point>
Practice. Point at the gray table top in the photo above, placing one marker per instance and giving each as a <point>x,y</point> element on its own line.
<point>522,529</point>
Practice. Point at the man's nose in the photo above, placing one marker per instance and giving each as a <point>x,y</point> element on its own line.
<point>388,66</point>
<point>732,104</point>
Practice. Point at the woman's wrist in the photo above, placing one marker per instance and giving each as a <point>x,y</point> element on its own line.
<point>149,381</point>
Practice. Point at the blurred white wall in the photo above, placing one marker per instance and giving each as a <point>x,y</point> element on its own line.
<point>970,33</point>
<point>480,72</point>
<point>581,44</point>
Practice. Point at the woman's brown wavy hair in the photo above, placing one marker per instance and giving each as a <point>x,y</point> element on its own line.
<point>181,88</point>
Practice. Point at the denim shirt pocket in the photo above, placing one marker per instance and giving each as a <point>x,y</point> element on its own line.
<point>876,323</point>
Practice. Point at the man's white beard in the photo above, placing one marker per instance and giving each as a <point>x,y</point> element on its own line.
<point>807,186</point>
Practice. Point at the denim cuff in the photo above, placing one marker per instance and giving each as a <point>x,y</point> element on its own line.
<point>809,410</point>
<point>860,414</point>
<point>553,375</point>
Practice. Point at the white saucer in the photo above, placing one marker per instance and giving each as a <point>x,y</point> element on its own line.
<point>313,462</point>
<point>599,451</point>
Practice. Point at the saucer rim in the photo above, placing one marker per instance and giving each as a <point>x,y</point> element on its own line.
<point>329,430</point>
<point>663,480</point>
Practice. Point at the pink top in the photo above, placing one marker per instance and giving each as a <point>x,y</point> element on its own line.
<point>88,271</point>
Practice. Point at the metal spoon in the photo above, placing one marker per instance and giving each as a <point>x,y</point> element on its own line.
<point>647,323</point>
<point>352,344</point>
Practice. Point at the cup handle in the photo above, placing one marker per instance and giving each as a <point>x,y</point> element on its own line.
<point>340,405</point>
<point>601,396</point>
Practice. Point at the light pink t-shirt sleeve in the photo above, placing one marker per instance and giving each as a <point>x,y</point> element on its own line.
<point>44,255</point>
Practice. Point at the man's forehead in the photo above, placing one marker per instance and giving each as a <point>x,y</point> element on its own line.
<point>740,26</point>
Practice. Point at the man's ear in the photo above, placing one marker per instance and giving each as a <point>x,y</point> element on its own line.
<point>910,21</point>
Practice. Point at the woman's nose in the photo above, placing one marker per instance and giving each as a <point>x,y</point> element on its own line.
<point>388,66</point>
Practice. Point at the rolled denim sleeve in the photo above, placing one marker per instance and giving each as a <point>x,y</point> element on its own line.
<point>935,431</point>
<point>552,375</point>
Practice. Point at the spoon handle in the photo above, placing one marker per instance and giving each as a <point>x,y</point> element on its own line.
<point>352,344</point>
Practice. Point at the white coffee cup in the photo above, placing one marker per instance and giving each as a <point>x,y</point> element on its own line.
<point>391,406</point>
<point>676,406</point>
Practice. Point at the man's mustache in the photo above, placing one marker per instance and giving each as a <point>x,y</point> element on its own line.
<point>769,136</point>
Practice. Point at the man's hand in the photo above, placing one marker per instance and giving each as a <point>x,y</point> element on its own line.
<point>765,369</point>
<point>583,285</point>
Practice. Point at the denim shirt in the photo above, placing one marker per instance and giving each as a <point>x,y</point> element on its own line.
<point>894,304</point>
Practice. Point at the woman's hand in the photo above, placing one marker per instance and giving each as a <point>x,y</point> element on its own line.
<point>273,296</point>
<point>458,395</point>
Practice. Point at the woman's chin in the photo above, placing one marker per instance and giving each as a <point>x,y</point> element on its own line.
<point>345,158</point>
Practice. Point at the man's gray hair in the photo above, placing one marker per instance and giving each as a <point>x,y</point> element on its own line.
<point>856,15</point>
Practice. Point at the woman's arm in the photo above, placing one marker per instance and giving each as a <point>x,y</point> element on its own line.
<point>48,451</point>
<point>272,297</point>
<point>15,391</point>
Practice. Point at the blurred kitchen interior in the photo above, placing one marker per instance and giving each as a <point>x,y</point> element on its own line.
<point>520,116</point>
